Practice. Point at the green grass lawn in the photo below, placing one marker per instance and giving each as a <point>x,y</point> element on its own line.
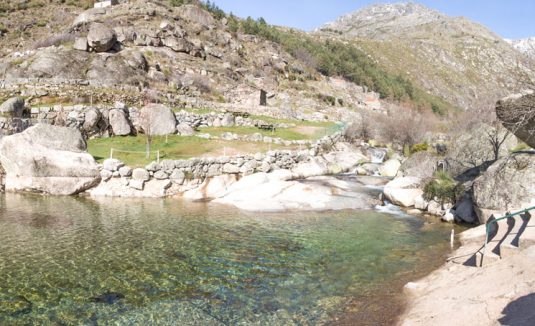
<point>303,131</point>
<point>176,148</point>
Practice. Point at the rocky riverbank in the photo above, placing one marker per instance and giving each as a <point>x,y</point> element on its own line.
<point>462,293</point>
<point>276,180</point>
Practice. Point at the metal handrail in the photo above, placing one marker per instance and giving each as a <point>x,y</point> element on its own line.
<point>496,220</point>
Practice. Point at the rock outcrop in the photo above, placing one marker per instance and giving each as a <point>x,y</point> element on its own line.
<point>517,113</point>
<point>12,108</point>
<point>275,192</point>
<point>48,159</point>
<point>421,164</point>
<point>473,148</point>
<point>507,185</point>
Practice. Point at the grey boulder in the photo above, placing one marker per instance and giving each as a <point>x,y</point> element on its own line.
<point>48,159</point>
<point>119,123</point>
<point>12,108</point>
<point>100,38</point>
<point>157,120</point>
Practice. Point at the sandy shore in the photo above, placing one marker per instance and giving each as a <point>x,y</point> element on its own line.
<point>500,292</point>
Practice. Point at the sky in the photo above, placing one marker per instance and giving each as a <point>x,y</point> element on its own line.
<point>508,18</point>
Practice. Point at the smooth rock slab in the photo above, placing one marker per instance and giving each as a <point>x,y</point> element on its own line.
<point>403,191</point>
<point>270,192</point>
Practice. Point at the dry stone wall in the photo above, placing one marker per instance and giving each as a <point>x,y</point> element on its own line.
<point>156,179</point>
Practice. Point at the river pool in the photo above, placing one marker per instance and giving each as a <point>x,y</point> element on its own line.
<point>71,261</point>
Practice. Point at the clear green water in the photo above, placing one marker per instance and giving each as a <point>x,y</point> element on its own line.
<point>169,262</point>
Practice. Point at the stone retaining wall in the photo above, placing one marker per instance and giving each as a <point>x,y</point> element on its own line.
<point>122,121</point>
<point>187,174</point>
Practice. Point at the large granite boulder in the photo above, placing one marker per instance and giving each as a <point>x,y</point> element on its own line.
<point>92,118</point>
<point>420,164</point>
<point>507,185</point>
<point>197,15</point>
<point>473,148</point>
<point>120,125</point>
<point>48,159</point>
<point>158,120</point>
<point>100,38</point>
<point>517,113</point>
<point>12,108</point>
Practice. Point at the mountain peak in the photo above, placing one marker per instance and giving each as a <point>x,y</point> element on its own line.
<point>526,45</point>
<point>384,19</point>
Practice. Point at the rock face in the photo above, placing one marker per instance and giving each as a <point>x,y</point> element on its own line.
<point>473,148</point>
<point>507,185</point>
<point>517,113</point>
<point>420,164</point>
<point>158,120</point>
<point>195,14</point>
<point>48,159</point>
<point>12,108</point>
<point>100,38</point>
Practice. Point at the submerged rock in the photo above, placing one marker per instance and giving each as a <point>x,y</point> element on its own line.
<point>108,298</point>
<point>48,159</point>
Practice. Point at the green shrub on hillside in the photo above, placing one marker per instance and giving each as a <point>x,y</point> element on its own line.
<point>443,187</point>
<point>334,58</point>
<point>422,147</point>
<point>207,5</point>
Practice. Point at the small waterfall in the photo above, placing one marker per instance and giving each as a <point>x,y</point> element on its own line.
<point>378,154</point>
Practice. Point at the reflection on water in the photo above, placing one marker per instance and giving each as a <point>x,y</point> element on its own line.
<point>81,261</point>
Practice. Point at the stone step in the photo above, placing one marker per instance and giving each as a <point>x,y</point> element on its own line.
<point>484,259</point>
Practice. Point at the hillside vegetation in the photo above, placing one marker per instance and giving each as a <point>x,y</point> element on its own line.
<point>336,58</point>
<point>452,57</point>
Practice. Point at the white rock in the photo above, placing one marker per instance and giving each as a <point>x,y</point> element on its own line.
<point>403,191</point>
<point>389,168</point>
<point>140,174</point>
<point>112,164</point>
<point>125,171</point>
<point>136,184</point>
<point>420,203</point>
<point>212,188</point>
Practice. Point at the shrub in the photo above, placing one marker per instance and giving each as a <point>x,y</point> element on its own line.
<point>422,147</point>
<point>443,187</point>
<point>335,58</point>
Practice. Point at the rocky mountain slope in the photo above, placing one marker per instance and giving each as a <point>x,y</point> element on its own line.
<point>452,57</point>
<point>153,51</point>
